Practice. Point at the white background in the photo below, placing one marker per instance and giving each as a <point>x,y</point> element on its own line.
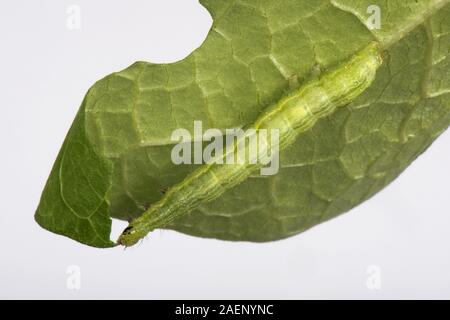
<point>45,71</point>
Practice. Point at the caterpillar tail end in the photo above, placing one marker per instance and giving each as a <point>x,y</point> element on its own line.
<point>376,49</point>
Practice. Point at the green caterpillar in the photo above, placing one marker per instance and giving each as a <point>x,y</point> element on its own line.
<point>292,115</point>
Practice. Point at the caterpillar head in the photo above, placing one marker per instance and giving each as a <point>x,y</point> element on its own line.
<point>130,236</point>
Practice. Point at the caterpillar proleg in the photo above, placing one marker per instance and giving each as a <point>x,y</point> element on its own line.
<point>292,115</point>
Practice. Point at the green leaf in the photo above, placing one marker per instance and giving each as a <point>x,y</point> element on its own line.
<point>116,158</point>
<point>74,202</point>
